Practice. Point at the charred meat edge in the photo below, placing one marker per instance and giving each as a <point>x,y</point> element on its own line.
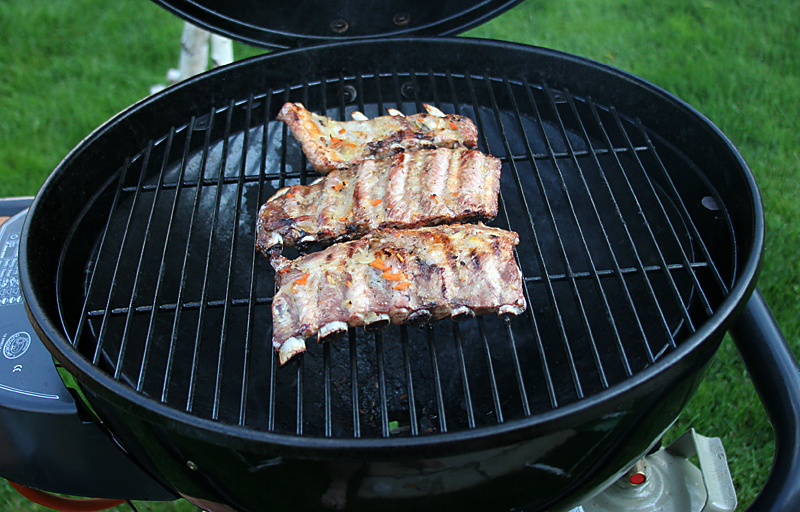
<point>409,276</point>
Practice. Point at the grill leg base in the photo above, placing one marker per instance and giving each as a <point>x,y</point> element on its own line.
<point>667,481</point>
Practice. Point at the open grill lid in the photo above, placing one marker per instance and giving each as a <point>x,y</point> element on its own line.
<point>277,25</point>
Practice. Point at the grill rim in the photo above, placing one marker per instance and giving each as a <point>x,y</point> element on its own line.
<point>666,369</point>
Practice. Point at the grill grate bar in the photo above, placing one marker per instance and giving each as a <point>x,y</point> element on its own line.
<point>435,93</point>
<point>559,237</point>
<point>633,246</point>
<point>223,338</point>
<point>326,383</point>
<point>689,218</point>
<point>173,342</point>
<point>498,410</point>
<point>453,91</point>
<point>202,317</point>
<point>398,95</point>
<point>172,306</point>
<point>354,400</point>
<point>379,95</point>
<point>414,87</point>
<point>673,285</point>
<point>462,366</point>
<point>342,99</point>
<point>252,302</point>
<point>551,295</point>
<point>382,385</point>
<point>273,376</point>
<point>282,173</point>
<point>595,274</point>
<point>229,180</point>
<point>523,393</point>
<point>529,312</point>
<point>378,337</point>
<point>412,402</point>
<point>260,301</point>
<point>360,97</point>
<point>303,160</point>
<point>326,350</point>
<point>274,367</point>
<point>617,269</point>
<point>162,263</point>
<point>437,380</point>
<point>554,154</point>
<point>139,269</point>
<point>491,376</point>
<point>303,181</point>
<point>617,272</point>
<point>299,397</point>
<point>114,282</point>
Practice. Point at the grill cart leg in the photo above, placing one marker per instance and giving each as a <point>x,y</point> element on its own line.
<point>776,377</point>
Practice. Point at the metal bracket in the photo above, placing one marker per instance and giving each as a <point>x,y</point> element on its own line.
<point>713,466</point>
<point>667,481</point>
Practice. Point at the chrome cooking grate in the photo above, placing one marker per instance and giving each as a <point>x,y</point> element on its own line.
<point>616,232</point>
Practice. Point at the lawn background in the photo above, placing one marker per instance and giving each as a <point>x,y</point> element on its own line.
<point>68,65</point>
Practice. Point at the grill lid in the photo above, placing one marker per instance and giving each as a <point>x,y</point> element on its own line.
<point>274,24</point>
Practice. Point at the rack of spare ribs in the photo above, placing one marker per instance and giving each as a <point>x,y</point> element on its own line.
<point>404,184</point>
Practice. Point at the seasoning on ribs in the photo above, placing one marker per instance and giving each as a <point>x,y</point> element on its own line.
<point>410,189</point>
<point>395,276</point>
<point>331,145</point>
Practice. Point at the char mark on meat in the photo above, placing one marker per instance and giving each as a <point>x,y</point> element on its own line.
<point>393,276</point>
<point>410,189</point>
<point>330,145</point>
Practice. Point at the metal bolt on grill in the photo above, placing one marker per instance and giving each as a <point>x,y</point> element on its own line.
<point>615,224</point>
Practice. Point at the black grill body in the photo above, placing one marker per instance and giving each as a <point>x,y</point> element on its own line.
<point>642,234</point>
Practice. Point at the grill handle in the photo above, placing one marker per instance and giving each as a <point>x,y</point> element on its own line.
<point>776,377</point>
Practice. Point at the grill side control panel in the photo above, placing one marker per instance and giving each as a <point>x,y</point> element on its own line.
<point>44,442</point>
<point>28,380</point>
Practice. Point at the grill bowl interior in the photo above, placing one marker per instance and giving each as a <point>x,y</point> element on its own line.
<point>179,303</point>
<point>635,245</point>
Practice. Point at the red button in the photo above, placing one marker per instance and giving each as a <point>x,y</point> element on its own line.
<point>637,479</point>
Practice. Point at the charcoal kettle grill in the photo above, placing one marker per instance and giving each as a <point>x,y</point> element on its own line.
<point>641,232</point>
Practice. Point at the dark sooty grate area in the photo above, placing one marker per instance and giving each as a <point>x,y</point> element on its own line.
<point>615,232</point>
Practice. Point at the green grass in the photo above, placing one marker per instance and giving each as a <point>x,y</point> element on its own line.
<point>68,65</point>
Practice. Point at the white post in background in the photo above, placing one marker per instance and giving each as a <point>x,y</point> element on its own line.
<point>221,50</point>
<point>194,54</point>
